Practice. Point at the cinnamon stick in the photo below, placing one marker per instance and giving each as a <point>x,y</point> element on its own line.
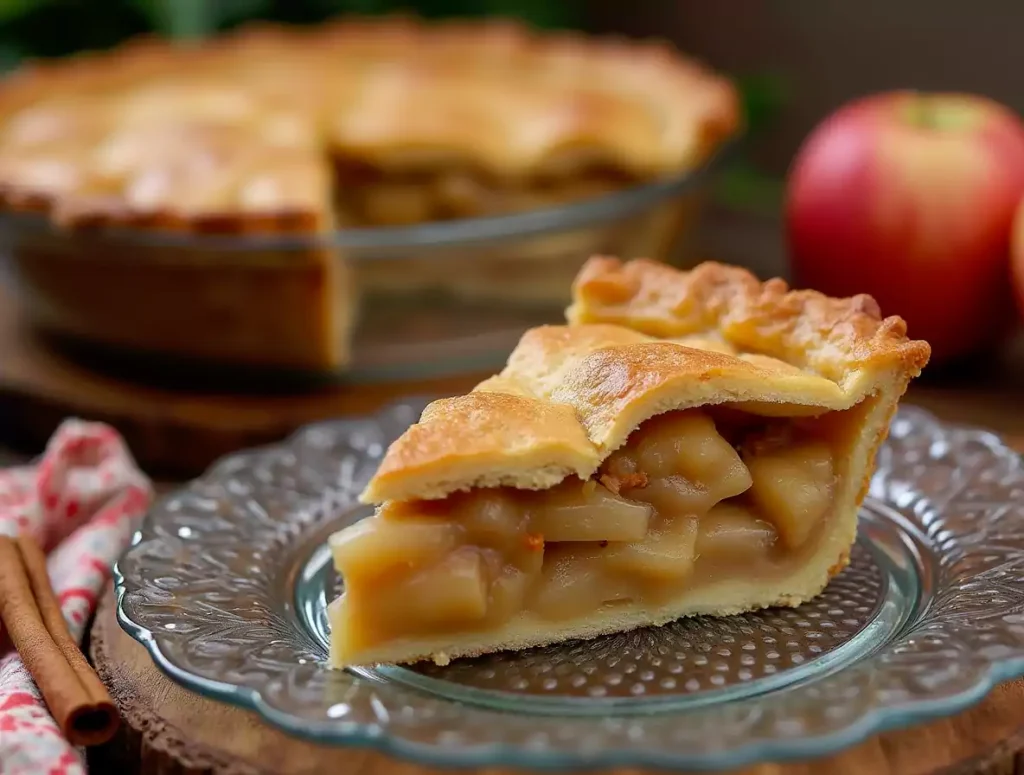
<point>35,625</point>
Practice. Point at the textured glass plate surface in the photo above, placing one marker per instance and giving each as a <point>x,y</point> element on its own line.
<point>227,582</point>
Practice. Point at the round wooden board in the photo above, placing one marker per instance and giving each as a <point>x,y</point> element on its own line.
<point>169,730</point>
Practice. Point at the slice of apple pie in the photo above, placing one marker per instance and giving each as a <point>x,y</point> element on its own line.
<point>692,443</point>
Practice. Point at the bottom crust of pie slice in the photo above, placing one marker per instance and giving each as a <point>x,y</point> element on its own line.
<point>722,598</point>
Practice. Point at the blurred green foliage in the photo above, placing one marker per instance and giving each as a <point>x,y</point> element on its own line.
<point>46,28</point>
<point>742,185</point>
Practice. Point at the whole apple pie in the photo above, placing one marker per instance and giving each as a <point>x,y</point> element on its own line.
<point>691,443</point>
<point>359,123</point>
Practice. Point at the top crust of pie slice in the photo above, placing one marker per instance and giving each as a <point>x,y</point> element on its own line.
<point>647,339</point>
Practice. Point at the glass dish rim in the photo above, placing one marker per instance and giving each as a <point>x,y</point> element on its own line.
<point>369,242</point>
<point>878,720</point>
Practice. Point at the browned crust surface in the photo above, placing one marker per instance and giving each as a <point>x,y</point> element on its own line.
<point>829,336</point>
<point>277,104</point>
<point>570,395</point>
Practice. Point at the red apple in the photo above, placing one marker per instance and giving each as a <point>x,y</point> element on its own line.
<point>911,198</point>
<point>1017,256</point>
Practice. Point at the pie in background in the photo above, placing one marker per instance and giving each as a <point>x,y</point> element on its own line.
<point>280,132</point>
<point>691,443</point>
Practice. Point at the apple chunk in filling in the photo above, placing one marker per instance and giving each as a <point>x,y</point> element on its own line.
<point>732,532</point>
<point>588,513</point>
<point>680,504</point>
<point>679,464</point>
<point>792,487</point>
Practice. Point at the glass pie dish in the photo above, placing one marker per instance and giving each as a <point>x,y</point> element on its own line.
<point>367,196</point>
<point>228,580</point>
<point>424,299</point>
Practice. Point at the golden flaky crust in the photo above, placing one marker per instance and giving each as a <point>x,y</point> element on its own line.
<point>244,131</point>
<point>836,338</point>
<point>570,395</point>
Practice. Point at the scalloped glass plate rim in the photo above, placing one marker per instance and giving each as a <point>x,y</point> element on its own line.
<point>871,722</point>
<point>499,755</point>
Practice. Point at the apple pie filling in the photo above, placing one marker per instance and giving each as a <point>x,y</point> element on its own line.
<point>693,497</point>
<point>368,196</point>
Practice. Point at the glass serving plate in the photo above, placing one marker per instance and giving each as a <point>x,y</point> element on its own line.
<point>410,301</point>
<point>227,582</point>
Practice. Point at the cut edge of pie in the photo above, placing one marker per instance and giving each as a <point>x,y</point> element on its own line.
<point>692,443</point>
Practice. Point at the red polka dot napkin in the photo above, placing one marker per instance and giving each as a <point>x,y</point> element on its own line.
<point>81,501</point>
